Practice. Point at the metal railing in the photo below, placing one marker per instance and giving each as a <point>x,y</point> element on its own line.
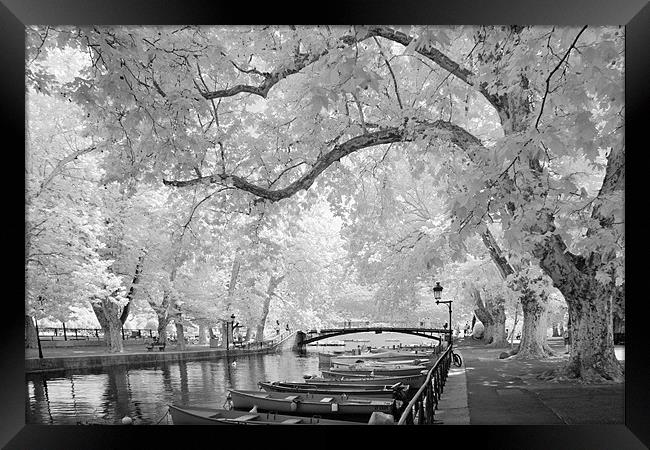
<point>85,334</point>
<point>421,409</point>
<point>425,323</point>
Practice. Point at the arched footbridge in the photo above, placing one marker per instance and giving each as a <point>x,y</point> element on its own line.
<point>307,337</point>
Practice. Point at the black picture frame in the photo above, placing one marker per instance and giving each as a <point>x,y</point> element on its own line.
<point>15,14</point>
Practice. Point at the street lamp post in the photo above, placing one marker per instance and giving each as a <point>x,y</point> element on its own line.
<point>38,339</point>
<point>232,329</point>
<point>437,294</point>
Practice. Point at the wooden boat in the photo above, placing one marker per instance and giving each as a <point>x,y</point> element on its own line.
<point>198,415</point>
<point>388,357</point>
<point>414,381</point>
<point>341,406</point>
<point>425,362</point>
<point>384,391</point>
<point>373,370</point>
<point>325,358</point>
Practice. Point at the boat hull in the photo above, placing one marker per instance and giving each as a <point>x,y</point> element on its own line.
<point>385,356</point>
<point>373,371</point>
<point>197,415</point>
<point>328,406</point>
<point>414,381</point>
<point>362,363</point>
<point>373,391</point>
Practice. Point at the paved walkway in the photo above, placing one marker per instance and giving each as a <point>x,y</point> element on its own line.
<point>492,391</point>
<point>453,408</point>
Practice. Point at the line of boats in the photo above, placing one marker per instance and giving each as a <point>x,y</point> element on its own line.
<point>371,387</point>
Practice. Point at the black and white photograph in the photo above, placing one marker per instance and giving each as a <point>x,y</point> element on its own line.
<point>324,225</point>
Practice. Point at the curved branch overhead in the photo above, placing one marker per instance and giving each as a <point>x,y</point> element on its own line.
<point>270,80</point>
<point>438,129</point>
<point>431,53</point>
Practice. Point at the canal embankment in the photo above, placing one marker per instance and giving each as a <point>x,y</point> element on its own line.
<point>85,357</point>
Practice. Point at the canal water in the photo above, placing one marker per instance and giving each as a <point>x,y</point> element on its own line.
<point>106,395</point>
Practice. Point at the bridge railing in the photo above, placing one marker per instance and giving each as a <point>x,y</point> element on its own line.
<point>397,324</point>
<point>421,409</point>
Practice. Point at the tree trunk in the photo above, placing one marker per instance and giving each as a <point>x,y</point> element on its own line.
<point>180,333</point>
<point>163,321</point>
<point>495,333</point>
<point>131,293</point>
<point>108,315</point>
<point>205,333</point>
<point>618,311</point>
<point>592,356</point>
<point>533,336</point>
<point>31,340</point>
<point>270,291</point>
<point>226,332</point>
<point>514,327</point>
<point>493,317</point>
<point>226,327</point>
<point>162,314</point>
<point>556,330</point>
<point>533,343</point>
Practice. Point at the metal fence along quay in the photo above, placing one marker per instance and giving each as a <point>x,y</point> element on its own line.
<point>422,407</point>
<point>84,334</point>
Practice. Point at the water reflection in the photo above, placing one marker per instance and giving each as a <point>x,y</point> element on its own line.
<point>106,395</point>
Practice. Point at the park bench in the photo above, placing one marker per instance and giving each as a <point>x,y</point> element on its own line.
<point>160,345</point>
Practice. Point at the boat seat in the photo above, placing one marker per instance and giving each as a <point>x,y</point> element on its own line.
<point>247,417</point>
<point>327,399</point>
<point>291,421</point>
<point>291,397</point>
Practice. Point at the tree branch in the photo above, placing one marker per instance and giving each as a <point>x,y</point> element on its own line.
<point>270,79</point>
<point>548,79</point>
<point>62,163</point>
<point>438,129</point>
<point>435,55</point>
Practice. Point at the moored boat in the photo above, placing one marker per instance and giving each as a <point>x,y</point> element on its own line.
<point>198,415</point>
<point>336,362</point>
<point>374,370</point>
<point>387,355</point>
<point>384,391</point>
<point>414,381</point>
<point>329,406</point>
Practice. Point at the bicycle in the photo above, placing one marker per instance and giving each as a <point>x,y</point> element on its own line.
<point>456,359</point>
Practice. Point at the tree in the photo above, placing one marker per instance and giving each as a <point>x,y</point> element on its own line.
<point>211,106</point>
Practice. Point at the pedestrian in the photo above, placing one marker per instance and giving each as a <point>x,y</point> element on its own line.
<point>566,340</point>
<point>277,327</point>
<point>287,327</point>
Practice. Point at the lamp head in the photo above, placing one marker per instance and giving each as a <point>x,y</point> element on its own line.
<point>437,291</point>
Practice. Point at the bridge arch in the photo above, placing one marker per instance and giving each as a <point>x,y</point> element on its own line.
<point>318,335</point>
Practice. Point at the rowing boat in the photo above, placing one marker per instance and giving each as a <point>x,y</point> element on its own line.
<point>325,405</point>
<point>336,363</point>
<point>386,355</point>
<point>374,370</point>
<point>197,415</point>
<point>384,391</point>
<point>415,381</point>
